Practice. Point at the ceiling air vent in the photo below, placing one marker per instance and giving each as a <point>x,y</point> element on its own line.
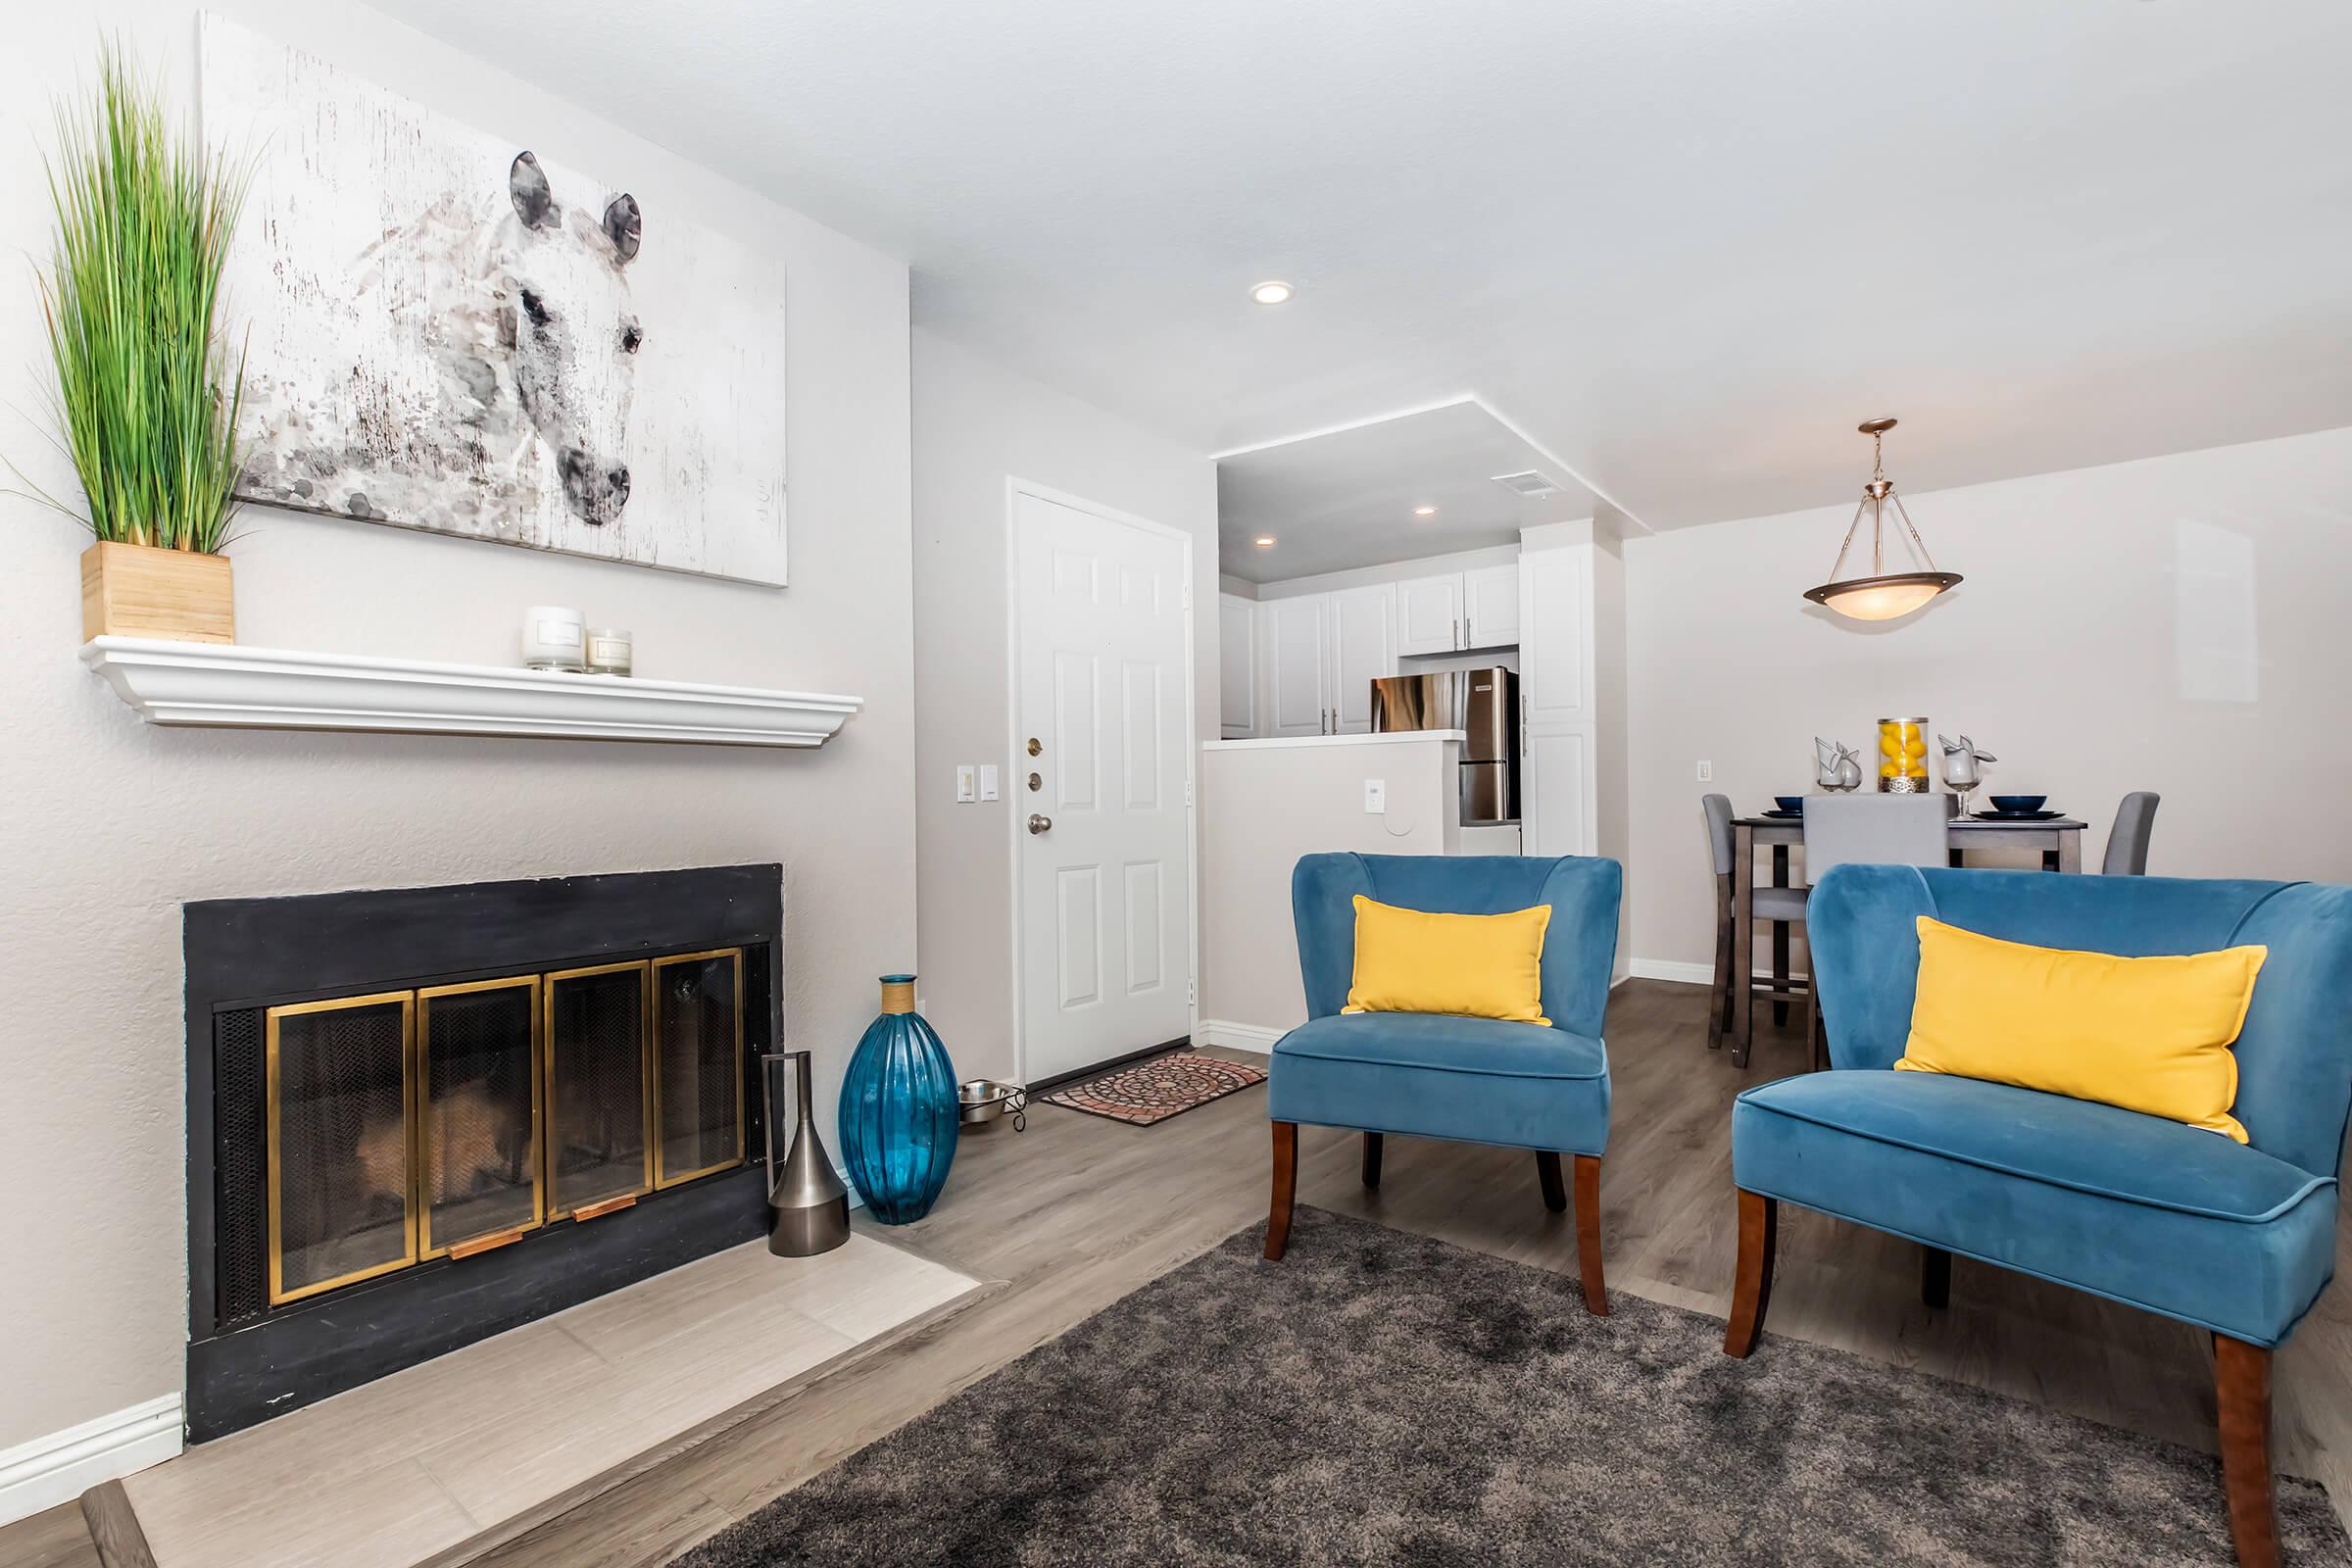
<point>1531,483</point>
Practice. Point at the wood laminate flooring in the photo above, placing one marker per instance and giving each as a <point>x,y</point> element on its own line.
<point>1079,1210</point>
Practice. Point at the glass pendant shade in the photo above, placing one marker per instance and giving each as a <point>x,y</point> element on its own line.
<point>1880,594</point>
<point>1881,598</point>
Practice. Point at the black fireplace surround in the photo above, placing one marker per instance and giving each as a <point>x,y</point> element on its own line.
<point>248,1359</point>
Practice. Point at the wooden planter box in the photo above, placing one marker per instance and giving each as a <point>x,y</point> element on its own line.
<point>140,591</point>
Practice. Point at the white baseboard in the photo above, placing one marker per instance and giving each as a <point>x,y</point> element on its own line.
<point>62,1466</point>
<point>1236,1036</point>
<point>1689,974</point>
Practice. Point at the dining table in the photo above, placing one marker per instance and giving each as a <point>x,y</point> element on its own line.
<point>2059,838</point>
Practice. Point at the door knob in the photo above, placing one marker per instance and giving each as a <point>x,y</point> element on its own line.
<point>1038,824</point>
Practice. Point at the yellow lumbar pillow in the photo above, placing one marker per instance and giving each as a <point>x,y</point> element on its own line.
<point>1468,965</point>
<point>2150,1035</point>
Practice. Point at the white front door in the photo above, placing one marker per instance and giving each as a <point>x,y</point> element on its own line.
<point>1102,682</point>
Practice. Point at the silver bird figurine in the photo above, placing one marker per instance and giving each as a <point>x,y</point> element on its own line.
<point>1837,766</point>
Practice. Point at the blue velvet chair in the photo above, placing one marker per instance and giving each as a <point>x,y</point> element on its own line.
<point>2236,1237</point>
<point>1479,1079</point>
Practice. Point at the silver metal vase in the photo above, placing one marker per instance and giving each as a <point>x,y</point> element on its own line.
<point>809,1209</point>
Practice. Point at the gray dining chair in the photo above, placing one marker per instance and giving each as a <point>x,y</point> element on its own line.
<point>1873,830</point>
<point>2127,840</point>
<point>1783,906</point>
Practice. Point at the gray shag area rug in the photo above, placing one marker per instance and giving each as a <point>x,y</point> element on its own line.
<point>1380,1398</point>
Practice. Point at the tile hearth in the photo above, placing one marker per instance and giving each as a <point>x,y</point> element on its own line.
<point>444,1453</point>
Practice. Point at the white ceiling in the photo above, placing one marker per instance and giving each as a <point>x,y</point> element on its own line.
<point>1345,498</point>
<point>1685,246</point>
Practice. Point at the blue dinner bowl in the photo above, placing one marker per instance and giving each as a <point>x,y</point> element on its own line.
<point>1790,802</point>
<point>2017,805</point>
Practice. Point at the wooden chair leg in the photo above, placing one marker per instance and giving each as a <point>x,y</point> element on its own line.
<point>1935,1277</point>
<point>1285,1188</point>
<point>1751,1288</point>
<point>1588,1233</point>
<point>1372,1161</point>
<point>2241,1380</point>
<point>1547,1171</point>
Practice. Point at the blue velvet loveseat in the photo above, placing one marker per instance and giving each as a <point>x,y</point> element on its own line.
<point>1479,1079</point>
<point>2236,1239</point>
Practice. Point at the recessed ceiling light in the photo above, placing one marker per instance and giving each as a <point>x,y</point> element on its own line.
<point>1425,512</point>
<point>1271,292</point>
<point>1265,541</point>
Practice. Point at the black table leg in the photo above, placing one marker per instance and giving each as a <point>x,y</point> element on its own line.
<point>1780,940</point>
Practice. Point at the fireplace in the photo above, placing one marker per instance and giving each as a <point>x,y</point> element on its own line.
<point>421,1117</point>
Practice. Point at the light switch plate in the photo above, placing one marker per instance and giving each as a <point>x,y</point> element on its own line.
<point>1376,795</point>
<point>1706,772</point>
<point>988,781</point>
<point>968,782</point>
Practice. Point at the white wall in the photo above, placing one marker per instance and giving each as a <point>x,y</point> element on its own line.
<point>974,426</point>
<point>1266,802</point>
<point>113,824</point>
<point>2177,624</point>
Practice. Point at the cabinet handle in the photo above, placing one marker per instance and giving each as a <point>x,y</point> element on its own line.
<point>1457,634</point>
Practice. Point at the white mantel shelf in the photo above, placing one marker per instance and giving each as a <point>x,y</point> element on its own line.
<point>221,686</point>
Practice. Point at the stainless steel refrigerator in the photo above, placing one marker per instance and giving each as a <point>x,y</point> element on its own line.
<point>1482,703</point>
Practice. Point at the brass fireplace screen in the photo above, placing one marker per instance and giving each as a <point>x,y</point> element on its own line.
<point>449,1120</point>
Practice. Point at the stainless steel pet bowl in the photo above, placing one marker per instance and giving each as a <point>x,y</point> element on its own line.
<point>984,1099</point>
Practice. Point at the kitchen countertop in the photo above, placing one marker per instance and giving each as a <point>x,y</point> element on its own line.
<point>1382,737</point>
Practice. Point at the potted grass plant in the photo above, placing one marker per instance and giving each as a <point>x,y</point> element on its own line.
<point>147,396</point>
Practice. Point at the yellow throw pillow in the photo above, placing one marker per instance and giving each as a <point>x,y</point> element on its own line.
<point>1467,965</point>
<point>2150,1035</point>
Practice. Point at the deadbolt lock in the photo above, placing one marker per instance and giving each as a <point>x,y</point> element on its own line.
<point>1037,781</point>
<point>1035,746</point>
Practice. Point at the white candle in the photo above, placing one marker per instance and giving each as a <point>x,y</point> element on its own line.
<point>609,651</point>
<point>554,638</point>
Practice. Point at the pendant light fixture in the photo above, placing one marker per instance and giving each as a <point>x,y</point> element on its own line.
<point>1882,595</point>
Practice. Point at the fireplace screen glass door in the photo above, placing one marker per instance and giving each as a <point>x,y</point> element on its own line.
<point>599,1098</point>
<point>478,1078</point>
<point>698,1038</point>
<point>338,1076</point>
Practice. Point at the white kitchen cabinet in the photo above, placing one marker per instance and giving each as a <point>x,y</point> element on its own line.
<point>1458,610</point>
<point>1557,783</point>
<point>1363,650</point>
<point>1296,636</point>
<point>1490,606</point>
<point>1237,666</point>
<point>1429,614</point>
<point>1322,652</point>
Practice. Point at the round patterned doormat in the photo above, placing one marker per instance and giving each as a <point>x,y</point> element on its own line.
<point>1154,1091</point>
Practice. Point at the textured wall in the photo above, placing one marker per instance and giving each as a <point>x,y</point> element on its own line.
<point>111,825</point>
<point>1266,804</point>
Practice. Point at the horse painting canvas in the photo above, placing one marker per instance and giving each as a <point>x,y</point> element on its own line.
<point>452,332</point>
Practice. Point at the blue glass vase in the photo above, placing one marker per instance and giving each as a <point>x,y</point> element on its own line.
<point>898,1110</point>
